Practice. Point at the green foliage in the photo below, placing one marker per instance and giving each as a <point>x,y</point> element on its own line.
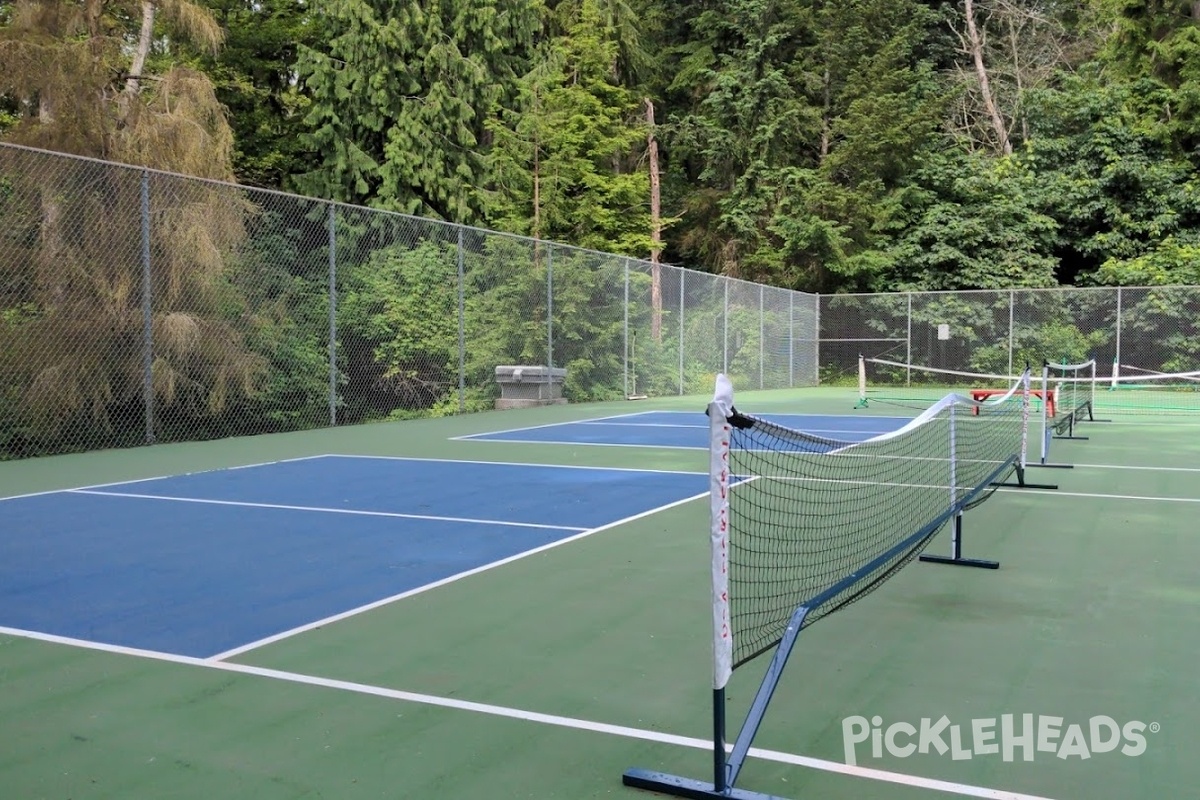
<point>553,157</point>
<point>400,306</point>
<point>1054,341</point>
<point>1111,177</point>
<point>968,222</point>
<point>399,96</point>
<point>1174,260</point>
<point>283,277</point>
<point>254,76</point>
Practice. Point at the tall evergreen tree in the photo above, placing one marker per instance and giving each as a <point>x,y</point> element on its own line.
<point>400,96</point>
<point>566,162</point>
<point>102,80</point>
<point>254,76</point>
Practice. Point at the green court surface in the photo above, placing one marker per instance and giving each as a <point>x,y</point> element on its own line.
<point>547,677</point>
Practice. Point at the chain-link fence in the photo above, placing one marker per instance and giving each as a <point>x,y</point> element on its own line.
<point>1135,334</point>
<point>138,306</point>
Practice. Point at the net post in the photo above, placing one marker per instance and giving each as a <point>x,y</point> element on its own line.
<point>1044,463</point>
<point>719,480</point>
<point>956,510</point>
<point>1045,405</point>
<point>723,777</point>
<point>1092,390</point>
<point>1092,403</point>
<point>862,382</point>
<point>1025,401</point>
<point>719,766</point>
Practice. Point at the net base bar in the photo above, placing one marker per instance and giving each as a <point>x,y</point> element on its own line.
<point>961,562</point>
<point>1068,424</point>
<point>677,786</point>
<point>956,557</point>
<point>1024,484</point>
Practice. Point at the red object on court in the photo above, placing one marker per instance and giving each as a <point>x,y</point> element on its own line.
<point>979,395</point>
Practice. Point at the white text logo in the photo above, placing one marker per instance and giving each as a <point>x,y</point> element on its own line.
<point>1011,737</point>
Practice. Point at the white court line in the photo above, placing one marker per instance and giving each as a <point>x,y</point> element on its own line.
<point>1126,466</point>
<point>788,414</point>
<point>352,511</point>
<point>1180,420</point>
<point>599,423</point>
<point>470,436</point>
<point>1099,496</point>
<point>903,779</point>
<point>517,464</point>
<point>1017,489</point>
<point>561,442</point>
<point>443,582</point>
<point>159,477</point>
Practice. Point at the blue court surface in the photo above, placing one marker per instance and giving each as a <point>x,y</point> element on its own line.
<point>686,430</point>
<point>204,563</point>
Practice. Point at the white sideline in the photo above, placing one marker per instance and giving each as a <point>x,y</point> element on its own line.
<point>903,779</point>
<point>320,509</point>
<point>159,477</point>
<point>466,437</point>
<point>591,467</point>
<point>443,582</point>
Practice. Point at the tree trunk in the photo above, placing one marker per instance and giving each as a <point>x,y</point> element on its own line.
<point>1014,42</point>
<point>655,228</point>
<point>825,111</point>
<point>133,83</point>
<point>143,48</point>
<point>975,43</point>
<point>537,177</point>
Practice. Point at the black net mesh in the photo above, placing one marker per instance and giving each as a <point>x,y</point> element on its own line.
<point>820,523</point>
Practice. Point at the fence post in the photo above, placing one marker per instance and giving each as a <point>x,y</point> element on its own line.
<point>908,344</point>
<point>682,279</point>
<point>1012,299</point>
<point>791,339</point>
<point>625,329</point>
<point>549,308</point>
<point>817,339</point>
<point>762,332</point>
<point>1117,355</point>
<point>332,234</point>
<point>147,314</point>
<point>462,329</point>
<point>725,330</point>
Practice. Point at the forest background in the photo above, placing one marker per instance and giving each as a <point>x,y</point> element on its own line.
<point>841,146</point>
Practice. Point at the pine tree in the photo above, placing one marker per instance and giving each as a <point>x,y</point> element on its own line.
<point>73,265</point>
<point>400,96</point>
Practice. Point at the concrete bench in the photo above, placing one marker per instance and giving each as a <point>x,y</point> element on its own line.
<point>525,386</point>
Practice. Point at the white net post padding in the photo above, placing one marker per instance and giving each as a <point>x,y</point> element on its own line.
<point>1045,413</point>
<point>1025,391</point>
<point>862,381</point>
<point>719,480</point>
